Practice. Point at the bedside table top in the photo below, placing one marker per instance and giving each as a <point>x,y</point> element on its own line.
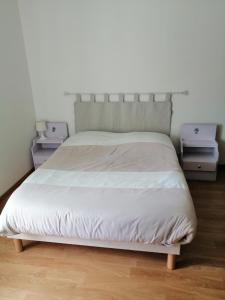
<point>199,143</point>
<point>50,140</point>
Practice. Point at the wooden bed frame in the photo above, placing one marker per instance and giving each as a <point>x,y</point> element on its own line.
<point>171,251</point>
<point>121,117</point>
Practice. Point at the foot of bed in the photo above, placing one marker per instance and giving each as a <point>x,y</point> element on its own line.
<point>18,245</point>
<point>171,261</point>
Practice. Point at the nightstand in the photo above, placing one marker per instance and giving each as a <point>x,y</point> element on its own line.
<point>42,149</point>
<point>199,151</point>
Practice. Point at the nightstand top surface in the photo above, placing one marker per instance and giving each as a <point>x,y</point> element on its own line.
<point>199,143</point>
<point>50,140</point>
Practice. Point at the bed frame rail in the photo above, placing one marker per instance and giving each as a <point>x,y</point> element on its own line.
<point>171,251</point>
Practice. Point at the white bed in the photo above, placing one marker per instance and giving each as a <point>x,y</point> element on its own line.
<point>120,190</point>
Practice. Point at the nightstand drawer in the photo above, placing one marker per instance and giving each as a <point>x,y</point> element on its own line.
<point>198,166</point>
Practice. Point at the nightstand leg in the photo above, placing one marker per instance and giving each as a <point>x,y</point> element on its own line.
<point>18,245</point>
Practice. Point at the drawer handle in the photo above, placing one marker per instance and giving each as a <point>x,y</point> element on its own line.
<point>199,166</point>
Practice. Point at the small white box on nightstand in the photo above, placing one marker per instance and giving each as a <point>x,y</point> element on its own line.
<point>42,149</point>
<point>199,151</point>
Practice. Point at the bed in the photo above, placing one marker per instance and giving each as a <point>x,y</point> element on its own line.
<point>121,190</point>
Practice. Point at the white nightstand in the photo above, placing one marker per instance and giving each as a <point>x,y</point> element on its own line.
<point>42,149</point>
<point>199,151</point>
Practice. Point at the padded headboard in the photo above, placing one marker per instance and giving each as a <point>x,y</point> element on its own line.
<point>123,116</point>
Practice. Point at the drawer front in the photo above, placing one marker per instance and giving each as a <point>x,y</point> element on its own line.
<point>198,166</point>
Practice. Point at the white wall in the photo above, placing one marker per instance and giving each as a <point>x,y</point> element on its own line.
<point>16,106</point>
<point>128,45</point>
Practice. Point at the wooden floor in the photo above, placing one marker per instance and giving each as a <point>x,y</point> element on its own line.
<point>51,271</point>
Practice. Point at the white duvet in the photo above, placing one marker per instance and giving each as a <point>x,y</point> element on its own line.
<point>106,186</point>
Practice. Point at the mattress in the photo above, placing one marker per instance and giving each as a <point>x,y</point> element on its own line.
<point>106,186</point>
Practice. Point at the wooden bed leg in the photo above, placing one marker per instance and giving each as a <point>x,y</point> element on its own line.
<point>171,261</point>
<point>18,245</point>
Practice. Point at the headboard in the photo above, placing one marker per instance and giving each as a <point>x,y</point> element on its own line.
<point>123,116</point>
